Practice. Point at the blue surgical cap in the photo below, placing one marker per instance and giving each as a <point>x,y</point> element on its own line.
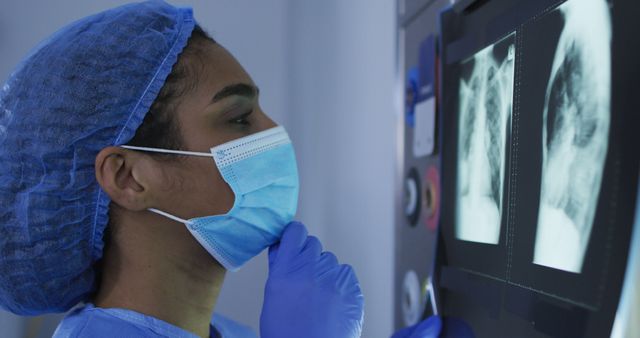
<point>87,87</point>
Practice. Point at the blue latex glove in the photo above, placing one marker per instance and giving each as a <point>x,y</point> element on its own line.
<point>434,327</point>
<point>308,294</point>
<point>428,328</point>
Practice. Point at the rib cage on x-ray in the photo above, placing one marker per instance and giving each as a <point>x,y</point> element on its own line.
<point>575,135</point>
<point>485,104</point>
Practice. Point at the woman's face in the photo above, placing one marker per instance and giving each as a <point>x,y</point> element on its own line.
<point>222,107</point>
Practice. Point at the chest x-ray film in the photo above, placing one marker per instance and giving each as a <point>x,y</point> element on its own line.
<point>485,105</point>
<point>575,133</point>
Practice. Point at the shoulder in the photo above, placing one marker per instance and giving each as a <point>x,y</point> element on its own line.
<point>231,329</point>
<point>92,322</point>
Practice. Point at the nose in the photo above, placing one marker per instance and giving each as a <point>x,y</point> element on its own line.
<point>265,121</point>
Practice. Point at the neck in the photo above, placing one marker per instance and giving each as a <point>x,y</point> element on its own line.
<point>160,271</point>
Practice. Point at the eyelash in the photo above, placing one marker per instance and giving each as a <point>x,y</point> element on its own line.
<point>243,119</point>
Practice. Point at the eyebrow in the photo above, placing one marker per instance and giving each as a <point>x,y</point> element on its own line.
<point>238,89</point>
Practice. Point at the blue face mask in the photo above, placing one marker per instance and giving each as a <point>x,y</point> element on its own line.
<point>261,170</point>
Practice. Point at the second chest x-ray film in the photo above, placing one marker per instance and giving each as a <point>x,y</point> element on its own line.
<point>575,134</point>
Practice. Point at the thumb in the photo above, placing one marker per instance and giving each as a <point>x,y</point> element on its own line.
<point>292,242</point>
<point>273,253</point>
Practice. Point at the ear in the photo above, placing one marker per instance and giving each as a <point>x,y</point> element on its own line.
<point>121,174</point>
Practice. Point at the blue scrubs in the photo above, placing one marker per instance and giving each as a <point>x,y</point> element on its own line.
<point>91,321</point>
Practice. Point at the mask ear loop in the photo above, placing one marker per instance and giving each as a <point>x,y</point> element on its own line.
<point>167,151</point>
<point>168,215</point>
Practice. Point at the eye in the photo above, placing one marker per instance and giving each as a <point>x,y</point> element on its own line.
<point>242,119</point>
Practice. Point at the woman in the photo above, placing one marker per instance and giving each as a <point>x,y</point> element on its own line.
<point>137,167</point>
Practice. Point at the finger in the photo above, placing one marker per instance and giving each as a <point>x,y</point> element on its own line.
<point>404,333</point>
<point>347,280</point>
<point>349,288</point>
<point>326,265</point>
<point>328,259</point>
<point>429,328</point>
<point>312,248</point>
<point>293,241</point>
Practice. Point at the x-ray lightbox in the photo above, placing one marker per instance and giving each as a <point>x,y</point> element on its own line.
<point>539,164</point>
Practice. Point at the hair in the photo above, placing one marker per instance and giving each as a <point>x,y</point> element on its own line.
<point>160,127</point>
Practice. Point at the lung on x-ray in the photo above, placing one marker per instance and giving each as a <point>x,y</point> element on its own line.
<point>485,105</point>
<point>575,135</point>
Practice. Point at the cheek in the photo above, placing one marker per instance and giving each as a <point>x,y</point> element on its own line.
<point>206,192</point>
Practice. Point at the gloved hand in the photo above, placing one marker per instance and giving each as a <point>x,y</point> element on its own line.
<point>434,327</point>
<point>308,294</point>
<point>428,328</point>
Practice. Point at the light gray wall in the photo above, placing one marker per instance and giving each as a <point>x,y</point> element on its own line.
<point>12,326</point>
<point>341,85</point>
<point>325,69</point>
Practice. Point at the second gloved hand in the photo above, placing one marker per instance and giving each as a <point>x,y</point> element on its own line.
<point>308,294</point>
<point>428,328</point>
